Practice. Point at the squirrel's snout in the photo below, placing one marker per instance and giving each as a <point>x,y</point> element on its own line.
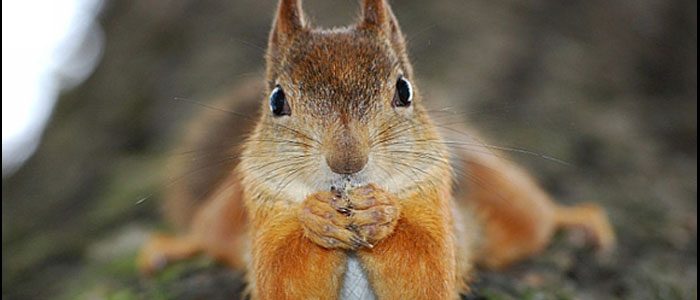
<point>346,164</point>
<point>347,155</point>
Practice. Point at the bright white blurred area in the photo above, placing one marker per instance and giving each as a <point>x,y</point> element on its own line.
<point>47,46</point>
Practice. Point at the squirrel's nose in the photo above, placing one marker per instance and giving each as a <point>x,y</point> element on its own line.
<point>346,163</point>
<point>346,154</point>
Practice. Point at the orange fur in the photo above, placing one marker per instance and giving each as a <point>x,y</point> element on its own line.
<point>421,249</point>
<point>286,212</point>
<point>516,216</point>
<point>218,228</point>
<point>286,264</point>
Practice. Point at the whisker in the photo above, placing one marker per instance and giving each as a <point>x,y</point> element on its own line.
<point>419,32</point>
<point>291,176</point>
<point>173,180</point>
<point>290,161</point>
<point>515,150</point>
<point>212,107</point>
<point>483,145</point>
<point>280,141</point>
<point>388,125</point>
<point>420,155</point>
<point>456,179</point>
<point>246,117</point>
<point>400,170</point>
<point>388,174</point>
<point>449,110</point>
<point>283,170</point>
<point>250,44</point>
<point>416,124</point>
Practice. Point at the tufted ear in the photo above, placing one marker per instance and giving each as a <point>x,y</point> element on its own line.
<point>377,15</point>
<point>378,18</point>
<point>288,22</point>
<point>374,13</point>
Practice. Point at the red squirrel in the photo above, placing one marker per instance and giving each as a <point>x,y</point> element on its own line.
<point>343,187</point>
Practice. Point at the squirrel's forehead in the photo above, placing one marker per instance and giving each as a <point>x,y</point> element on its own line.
<point>337,72</point>
<point>340,55</point>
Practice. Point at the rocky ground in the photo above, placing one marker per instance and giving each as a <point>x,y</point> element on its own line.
<point>609,87</point>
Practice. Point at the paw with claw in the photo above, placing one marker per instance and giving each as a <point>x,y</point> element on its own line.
<point>359,217</point>
<point>326,222</point>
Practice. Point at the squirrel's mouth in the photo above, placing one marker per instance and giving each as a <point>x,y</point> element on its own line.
<point>346,181</point>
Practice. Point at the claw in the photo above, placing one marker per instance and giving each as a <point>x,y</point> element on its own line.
<point>337,193</point>
<point>361,242</point>
<point>353,228</point>
<point>345,211</point>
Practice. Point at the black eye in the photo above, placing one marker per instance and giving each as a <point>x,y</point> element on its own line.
<point>404,93</point>
<point>278,103</point>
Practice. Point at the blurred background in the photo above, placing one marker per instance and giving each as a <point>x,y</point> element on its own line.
<point>90,113</point>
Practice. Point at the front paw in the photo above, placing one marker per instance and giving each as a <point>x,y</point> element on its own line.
<point>374,213</point>
<point>326,220</point>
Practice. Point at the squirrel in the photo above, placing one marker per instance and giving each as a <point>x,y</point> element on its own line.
<point>342,187</point>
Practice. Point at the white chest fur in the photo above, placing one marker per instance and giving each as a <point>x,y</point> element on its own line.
<point>355,283</point>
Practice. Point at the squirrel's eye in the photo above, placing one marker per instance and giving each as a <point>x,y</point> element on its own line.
<point>404,93</point>
<point>278,103</point>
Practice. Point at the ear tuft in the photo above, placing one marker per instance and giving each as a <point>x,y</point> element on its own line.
<point>374,13</point>
<point>378,17</point>
<point>288,21</point>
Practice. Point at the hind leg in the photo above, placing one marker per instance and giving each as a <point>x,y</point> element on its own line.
<point>591,218</point>
<point>162,249</point>
<point>517,217</point>
<point>217,229</point>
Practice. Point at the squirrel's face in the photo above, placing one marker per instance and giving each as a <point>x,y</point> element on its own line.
<point>341,107</point>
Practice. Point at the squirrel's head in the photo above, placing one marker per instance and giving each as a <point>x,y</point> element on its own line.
<point>341,106</point>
